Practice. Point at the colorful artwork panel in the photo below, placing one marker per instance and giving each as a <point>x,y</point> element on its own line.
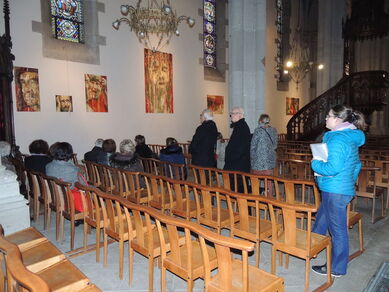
<point>158,82</point>
<point>215,103</point>
<point>292,105</point>
<point>27,90</point>
<point>96,93</point>
<point>64,103</point>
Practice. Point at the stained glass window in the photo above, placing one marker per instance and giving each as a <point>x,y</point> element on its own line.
<point>67,20</point>
<point>210,33</point>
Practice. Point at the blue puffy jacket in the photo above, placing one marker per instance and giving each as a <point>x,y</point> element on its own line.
<point>341,170</point>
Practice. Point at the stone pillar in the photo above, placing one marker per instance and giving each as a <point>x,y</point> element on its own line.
<point>330,43</point>
<point>247,43</point>
<point>14,211</point>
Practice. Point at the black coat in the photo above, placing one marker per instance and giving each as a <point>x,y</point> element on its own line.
<point>238,149</point>
<point>203,144</point>
<point>96,155</point>
<point>37,163</point>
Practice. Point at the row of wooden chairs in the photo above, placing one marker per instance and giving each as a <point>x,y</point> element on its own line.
<point>181,246</point>
<point>53,195</point>
<point>29,262</point>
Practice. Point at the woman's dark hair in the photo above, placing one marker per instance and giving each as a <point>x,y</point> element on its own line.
<point>39,147</point>
<point>109,146</point>
<point>347,114</point>
<point>140,140</point>
<point>61,151</point>
<point>171,141</point>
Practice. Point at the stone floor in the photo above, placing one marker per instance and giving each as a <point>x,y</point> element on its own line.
<point>360,270</point>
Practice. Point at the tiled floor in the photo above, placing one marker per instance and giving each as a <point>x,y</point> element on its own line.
<point>361,269</point>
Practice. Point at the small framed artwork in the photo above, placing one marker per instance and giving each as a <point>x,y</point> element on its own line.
<point>215,103</point>
<point>292,106</point>
<point>64,103</point>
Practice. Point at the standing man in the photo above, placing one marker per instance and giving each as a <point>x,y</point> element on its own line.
<point>237,155</point>
<point>203,142</point>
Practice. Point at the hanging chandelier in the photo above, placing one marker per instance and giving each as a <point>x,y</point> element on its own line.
<point>153,24</point>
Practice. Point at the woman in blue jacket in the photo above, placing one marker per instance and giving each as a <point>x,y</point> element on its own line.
<point>337,181</point>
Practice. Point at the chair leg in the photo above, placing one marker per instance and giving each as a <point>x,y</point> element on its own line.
<point>57,219</point>
<point>98,230</point>
<point>151,270</point>
<point>190,285</point>
<point>130,262</point>
<point>373,211</point>
<point>273,260</point>
<point>121,254</point>
<point>163,279</point>
<point>105,248</point>
<point>85,234</point>
<point>72,234</point>
<point>360,235</point>
<point>257,255</point>
<point>62,218</point>
<point>329,280</point>
<point>307,267</point>
<point>48,220</point>
<point>286,261</point>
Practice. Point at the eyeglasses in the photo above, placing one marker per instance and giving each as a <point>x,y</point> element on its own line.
<point>234,113</point>
<point>330,116</point>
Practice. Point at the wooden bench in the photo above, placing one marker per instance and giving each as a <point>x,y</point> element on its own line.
<point>29,261</point>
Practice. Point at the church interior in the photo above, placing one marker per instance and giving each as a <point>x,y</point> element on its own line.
<point>80,71</point>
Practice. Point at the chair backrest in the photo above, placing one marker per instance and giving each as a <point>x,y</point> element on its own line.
<point>90,172</point>
<point>56,197</point>
<point>132,187</point>
<point>150,165</point>
<point>157,190</point>
<point>290,215</point>
<point>208,176</point>
<point>91,204</point>
<point>366,183</point>
<point>65,196</point>
<point>14,276</point>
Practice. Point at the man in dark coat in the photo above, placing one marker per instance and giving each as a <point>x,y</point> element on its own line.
<point>203,142</point>
<point>237,155</point>
<point>97,154</point>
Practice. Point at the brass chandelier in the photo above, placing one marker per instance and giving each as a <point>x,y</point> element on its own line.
<point>154,24</point>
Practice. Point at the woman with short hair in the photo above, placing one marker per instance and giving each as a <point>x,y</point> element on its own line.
<point>39,158</point>
<point>126,158</point>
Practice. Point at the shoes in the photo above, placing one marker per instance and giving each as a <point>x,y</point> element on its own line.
<point>322,270</point>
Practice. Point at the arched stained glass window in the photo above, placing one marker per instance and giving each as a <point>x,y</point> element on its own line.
<point>67,20</point>
<point>210,33</point>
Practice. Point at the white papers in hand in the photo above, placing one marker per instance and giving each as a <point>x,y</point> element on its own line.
<point>319,152</point>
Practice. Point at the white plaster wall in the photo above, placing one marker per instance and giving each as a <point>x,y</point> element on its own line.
<point>275,101</point>
<point>121,60</point>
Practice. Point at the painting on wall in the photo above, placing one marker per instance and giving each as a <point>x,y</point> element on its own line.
<point>215,103</point>
<point>158,82</point>
<point>64,103</point>
<point>96,93</point>
<point>292,105</point>
<point>27,90</point>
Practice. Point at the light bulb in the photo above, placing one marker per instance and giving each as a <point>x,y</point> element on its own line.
<point>116,24</point>
<point>124,9</point>
<point>289,64</point>
<point>190,21</point>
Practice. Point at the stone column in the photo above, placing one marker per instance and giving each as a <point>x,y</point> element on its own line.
<point>247,28</point>
<point>14,211</point>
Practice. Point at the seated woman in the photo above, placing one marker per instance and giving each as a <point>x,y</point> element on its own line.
<point>63,168</point>
<point>126,159</point>
<point>173,153</point>
<point>109,147</point>
<point>39,158</point>
<point>142,149</point>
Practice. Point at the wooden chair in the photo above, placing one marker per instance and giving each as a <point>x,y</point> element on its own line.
<point>26,238</point>
<point>367,188</point>
<point>133,190</point>
<point>352,219</point>
<point>115,225</point>
<point>144,237</point>
<point>295,241</point>
<point>56,203</point>
<point>185,257</point>
<point>158,194</point>
<point>35,193</point>
<point>45,199</point>
<point>209,207</point>
<point>382,180</point>
<point>171,170</point>
<point>68,211</point>
<point>14,276</point>
<point>207,176</point>
<point>250,225</point>
<point>184,205</point>
<point>150,165</point>
<point>93,215</point>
